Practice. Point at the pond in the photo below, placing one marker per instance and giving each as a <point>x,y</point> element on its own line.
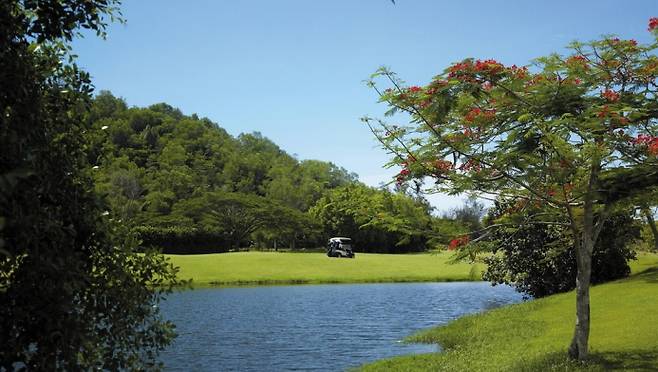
<point>313,327</point>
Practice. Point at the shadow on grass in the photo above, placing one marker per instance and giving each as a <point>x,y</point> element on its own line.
<point>649,275</point>
<point>634,360</point>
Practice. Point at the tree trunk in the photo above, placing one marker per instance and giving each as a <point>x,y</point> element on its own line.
<point>652,225</point>
<point>584,245</point>
<point>579,344</point>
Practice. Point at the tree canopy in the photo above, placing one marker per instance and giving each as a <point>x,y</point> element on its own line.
<point>576,135</point>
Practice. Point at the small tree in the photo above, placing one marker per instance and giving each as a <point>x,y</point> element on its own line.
<point>575,134</point>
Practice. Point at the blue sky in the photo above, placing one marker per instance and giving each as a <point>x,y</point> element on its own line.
<point>294,69</point>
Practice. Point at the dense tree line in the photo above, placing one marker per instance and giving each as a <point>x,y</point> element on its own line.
<point>183,184</point>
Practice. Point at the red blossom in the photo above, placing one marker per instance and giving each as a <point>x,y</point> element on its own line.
<point>576,59</point>
<point>442,165</point>
<point>610,95</point>
<point>458,242</point>
<point>519,72</point>
<point>651,143</point>
<point>476,113</point>
<point>653,23</point>
<point>460,68</point>
<point>470,164</point>
<point>471,115</point>
<point>604,112</point>
<point>633,42</point>
<point>653,148</point>
<point>415,89</point>
<point>489,66</point>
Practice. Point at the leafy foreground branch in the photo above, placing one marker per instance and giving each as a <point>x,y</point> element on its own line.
<point>74,294</point>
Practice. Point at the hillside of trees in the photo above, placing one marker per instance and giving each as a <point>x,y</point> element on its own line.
<point>183,184</point>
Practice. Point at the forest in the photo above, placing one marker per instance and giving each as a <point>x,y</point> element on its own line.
<point>182,184</point>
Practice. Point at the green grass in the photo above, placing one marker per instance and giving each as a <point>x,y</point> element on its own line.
<point>533,336</point>
<point>249,268</point>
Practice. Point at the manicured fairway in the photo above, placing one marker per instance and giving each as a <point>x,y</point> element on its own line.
<point>286,268</point>
<point>533,336</point>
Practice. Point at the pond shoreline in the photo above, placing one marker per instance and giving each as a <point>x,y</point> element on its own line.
<point>301,282</point>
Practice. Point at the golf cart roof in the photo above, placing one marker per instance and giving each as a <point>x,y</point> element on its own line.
<point>341,238</point>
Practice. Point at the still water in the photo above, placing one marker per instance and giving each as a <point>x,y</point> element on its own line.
<point>313,327</point>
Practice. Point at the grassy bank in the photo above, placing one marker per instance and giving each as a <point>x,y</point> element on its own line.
<point>248,268</point>
<point>533,336</point>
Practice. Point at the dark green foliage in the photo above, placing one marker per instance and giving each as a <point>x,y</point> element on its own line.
<point>183,239</point>
<point>74,295</point>
<point>539,260</point>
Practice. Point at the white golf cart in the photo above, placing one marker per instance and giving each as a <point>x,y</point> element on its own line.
<point>340,247</point>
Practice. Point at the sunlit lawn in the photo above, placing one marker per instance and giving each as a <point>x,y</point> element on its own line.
<point>282,268</point>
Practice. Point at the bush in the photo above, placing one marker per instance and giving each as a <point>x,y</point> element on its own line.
<point>538,259</point>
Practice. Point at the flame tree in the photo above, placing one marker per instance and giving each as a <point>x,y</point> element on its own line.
<point>576,135</point>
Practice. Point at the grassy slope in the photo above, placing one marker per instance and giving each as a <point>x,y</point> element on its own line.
<point>282,268</point>
<point>533,336</point>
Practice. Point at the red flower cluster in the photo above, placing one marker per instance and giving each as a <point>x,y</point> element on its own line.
<point>442,165</point>
<point>415,89</point>
<point>470,165</point>
<point>519,72</point>
<point>460,68</point>
<point>405,172</point>
<point>577,61</point>
<point>605,111</point>
<point>653,23</point>
<point>465,70</point>
<point>610,95</point>
<point>646,140</point>
<point>490,66</point>
<point>402,176</point>
<point>476,113</point>
<point>458,242</point>
<point>615,119</point>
